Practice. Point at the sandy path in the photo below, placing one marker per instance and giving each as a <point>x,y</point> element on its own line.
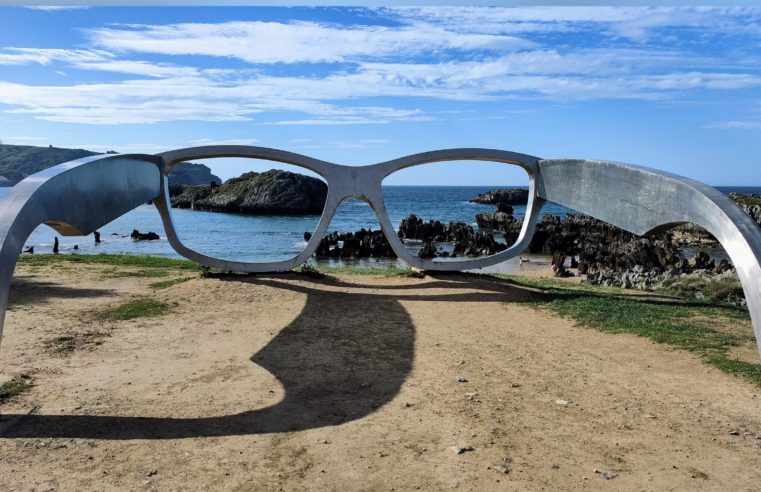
<point>280,382</point>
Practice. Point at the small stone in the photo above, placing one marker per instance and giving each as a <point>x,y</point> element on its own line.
<point>407,405</point>
<point>500,468</point>
<point>650,416</point>
<point>461,449</point>
<point>461,379</point>
<point>323,441</point>
<point>561,402</point>
<point>515,385</point>
<point>151,473</point>
<point>734,433</point>
<point>470,396</point>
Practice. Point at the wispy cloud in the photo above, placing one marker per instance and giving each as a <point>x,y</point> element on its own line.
<point>735,125</point>
<point>377,74</point>
<point>46,56</point>
<point>56,8</point>
<point>275,42</point>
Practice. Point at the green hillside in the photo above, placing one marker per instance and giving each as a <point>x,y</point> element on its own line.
<point>20,161</point>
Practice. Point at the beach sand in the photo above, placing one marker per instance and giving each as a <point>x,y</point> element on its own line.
<point>280,382</point>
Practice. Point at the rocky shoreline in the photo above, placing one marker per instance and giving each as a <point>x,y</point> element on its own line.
<point>605,254</point>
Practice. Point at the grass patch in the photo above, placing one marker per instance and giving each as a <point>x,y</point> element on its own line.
<point>722,289</point>
<point>687,325</point>
<point>165,284</point>
<point>311,271</point>
<point>144,261</point>
<point>139,308</point>
<point>66,344</point>
<point>749,371</point>
<point>14,387</point>
<point>144,273</point>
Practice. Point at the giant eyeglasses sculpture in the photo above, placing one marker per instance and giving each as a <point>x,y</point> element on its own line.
<point>80,196</point>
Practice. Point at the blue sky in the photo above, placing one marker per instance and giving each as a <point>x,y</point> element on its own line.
<point>675,88</point>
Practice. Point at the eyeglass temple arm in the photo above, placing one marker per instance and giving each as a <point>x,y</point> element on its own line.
<point>75,199</point>
<point>645,201</point>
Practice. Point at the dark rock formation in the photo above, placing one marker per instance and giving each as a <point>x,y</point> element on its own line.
<point>510,196</point>
<point>502,221</point>
<point>274,192</point>
<point>428,251</point>
<point>361,244</point>
<point>466,241</point>
<point>139,236</point>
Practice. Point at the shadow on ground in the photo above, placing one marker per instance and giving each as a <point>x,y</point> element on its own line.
<point>32,291</point>
<point>347,353</point>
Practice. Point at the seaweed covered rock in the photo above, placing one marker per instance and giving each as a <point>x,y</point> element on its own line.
<point>273,192</point>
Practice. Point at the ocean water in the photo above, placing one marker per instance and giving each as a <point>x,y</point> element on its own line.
<point>272,238</point>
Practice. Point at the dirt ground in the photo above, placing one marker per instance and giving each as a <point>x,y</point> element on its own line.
<point>279,382</point>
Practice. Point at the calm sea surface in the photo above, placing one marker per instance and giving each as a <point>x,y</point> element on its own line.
<point>270,238</point>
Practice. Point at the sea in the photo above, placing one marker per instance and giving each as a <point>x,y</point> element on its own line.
<point>273,238</point>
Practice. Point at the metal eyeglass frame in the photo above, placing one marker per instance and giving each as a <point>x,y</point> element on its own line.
<point>78,197</point>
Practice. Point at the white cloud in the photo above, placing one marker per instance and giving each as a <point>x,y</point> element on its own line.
<point>46,56</point>
<point>275,42</point>
<point>635,23</point>
<point>443,53</point>
<point>328,100</point>
<point>135,67</point>
<point>56,8</point>
<point>735,125</point>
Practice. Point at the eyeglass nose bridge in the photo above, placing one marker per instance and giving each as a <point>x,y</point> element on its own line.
<point>353,182</point>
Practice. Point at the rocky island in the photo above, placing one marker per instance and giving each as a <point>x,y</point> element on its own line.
<point>273,192</point>
<point>508,196</point>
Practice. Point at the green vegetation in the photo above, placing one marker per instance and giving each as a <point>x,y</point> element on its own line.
<point>14,387</point>
<point>747,200</point>
<point>165,284</point>
<point>714,289</point>
<point>689,325</point>
<point>741,368</point>
<point>145,273</point>
<point>20,161</point>
<point>144,261</point>
<point>310,271</point>
<point>138,308</point>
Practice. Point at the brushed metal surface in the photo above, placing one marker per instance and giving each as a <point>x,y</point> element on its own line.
<point>361,182</point>
<point>644,201</point>
<point>75,199</point>
<point>78,197</point>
